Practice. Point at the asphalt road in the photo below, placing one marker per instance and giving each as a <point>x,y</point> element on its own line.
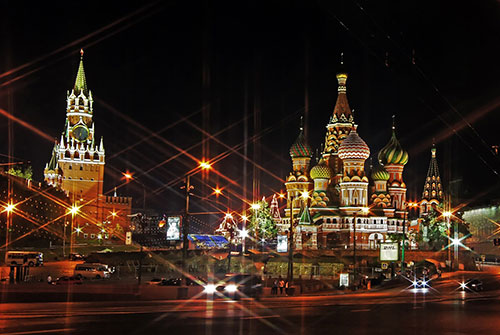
<point>440,310</point>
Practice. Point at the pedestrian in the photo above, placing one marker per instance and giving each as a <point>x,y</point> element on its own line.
<point>286,287</point>
<point>49,280</point>
<point>281,286</point>
<point>274,288</point>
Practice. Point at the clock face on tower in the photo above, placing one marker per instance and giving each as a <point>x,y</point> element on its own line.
<point>80,133</point>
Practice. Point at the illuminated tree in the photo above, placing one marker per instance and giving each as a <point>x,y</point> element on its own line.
<point>261,224</point>
<point>434,229</point>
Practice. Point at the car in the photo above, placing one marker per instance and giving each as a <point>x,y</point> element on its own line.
<point>171,282</point>
<point>473,285</point>
<point>421,283</point>
<point>76,257</point>
<point>65,280</point>
<point>156,281</point>
<point>92,271</point>
<point>236,286</point>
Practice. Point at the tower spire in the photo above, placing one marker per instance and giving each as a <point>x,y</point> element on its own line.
<point>80,82</point>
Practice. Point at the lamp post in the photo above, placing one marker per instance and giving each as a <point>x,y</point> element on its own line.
<point>447,215</point>
<point>304,195</point>
<point>256,206</point>
<point>73,211</point>
<point>185,226</point>
<point>407,206</point>
<point>243,233</point>
<point>365,210</point>
<point>8,209</point>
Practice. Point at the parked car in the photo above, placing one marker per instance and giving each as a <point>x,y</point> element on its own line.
<point>65,280</point>
<point>92,271</point>
<point>171,282</point>
<point>76,257</point>
<point>156,281</point>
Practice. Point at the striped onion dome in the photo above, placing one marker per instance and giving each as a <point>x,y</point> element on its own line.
<point>380,173</point>
<point>321,171</point>
<point>353,147</point>
<point>300,148</point>
<point>393,152</point>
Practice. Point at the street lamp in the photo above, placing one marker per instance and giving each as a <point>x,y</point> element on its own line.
<point>408,205</point>
<point>8,209</point>
<point>365,211</point>
<point>203,165</point>
<point>447,215</point>
<point>304,195</point>
<point>243,233</point>
<point>74,209</point>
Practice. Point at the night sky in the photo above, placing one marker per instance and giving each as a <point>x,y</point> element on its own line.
<point>154,67</point>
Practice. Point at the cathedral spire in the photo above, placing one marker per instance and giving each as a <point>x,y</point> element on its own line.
<point>80,82</point>
<point>433,190</point>
<point>342,111</point>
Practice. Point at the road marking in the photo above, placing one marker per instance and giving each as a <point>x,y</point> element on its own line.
<point>360,310</point>
<point>41,331</point>
<point>259,317</point>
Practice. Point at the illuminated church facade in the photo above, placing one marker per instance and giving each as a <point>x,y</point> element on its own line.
<point>345,203</point>
<point>77,167</point>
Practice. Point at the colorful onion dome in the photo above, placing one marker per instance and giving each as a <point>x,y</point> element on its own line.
<point>380,173</point>
<point>300,148</point>
<point>321,171</point>
<point>393,152</point>
<point>353,147</point>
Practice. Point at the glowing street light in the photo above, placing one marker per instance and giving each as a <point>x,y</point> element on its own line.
<point>74,210</point>
<point>205,165</point>
<point>229,216</point>
<point>114,214</point>
<point>243,233</point>
<point>217,191</point>
<point>9,208</point>
<point>304,195</point>
<point>255,206</point>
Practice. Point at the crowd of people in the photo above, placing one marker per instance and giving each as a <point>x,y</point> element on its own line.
<point>279,285</point>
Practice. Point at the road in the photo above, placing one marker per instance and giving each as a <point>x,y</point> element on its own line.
<point>441,310</point>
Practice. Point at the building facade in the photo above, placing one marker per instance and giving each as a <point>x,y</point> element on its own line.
<point>340,189</point>
<point>77,167</point>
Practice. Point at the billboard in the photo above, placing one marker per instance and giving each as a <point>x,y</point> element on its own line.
<point>344,280</point>
<point>282,243</point>
<point>173,228</point>
<point>389,251</point>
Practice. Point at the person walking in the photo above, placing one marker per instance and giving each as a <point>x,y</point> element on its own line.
<point>49,279</point>
<point>281,286</point>
<point>274,288</point>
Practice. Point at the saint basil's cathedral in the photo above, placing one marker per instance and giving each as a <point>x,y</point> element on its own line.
<point>340,190</point>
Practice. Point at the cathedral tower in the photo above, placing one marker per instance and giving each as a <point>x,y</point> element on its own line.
<point>354,185</point>
<point>433,189</point>
<point>394,158</point>
<point>338,128</point>
<point>299,181</point>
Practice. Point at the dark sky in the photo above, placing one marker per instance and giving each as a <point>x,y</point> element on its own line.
<point>150,65</point>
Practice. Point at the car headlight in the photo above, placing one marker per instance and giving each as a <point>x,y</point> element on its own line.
<point>210,288</point>
<point>231,288</point>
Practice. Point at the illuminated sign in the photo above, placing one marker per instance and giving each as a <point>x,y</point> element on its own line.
<point>344,279</point>
<point>389,251</point>
<point>128,238</point>
<point>173,228</point>
<point>282,243</point>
